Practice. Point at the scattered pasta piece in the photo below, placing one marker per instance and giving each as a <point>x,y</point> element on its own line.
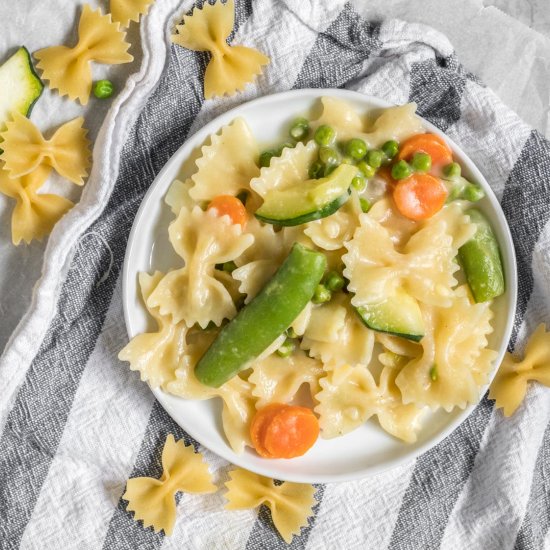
<point>192,293</point>
<point>34,215</point>
<point>350,396</point>
<point>124,11</point>
<point>510,384</point>
<point>231,67</point>
<point>68,69</point>
<point>154,500</point>
<point>25,149</point>
<point>227,165</point>
<point>291,504</point>
<point>455,362</point>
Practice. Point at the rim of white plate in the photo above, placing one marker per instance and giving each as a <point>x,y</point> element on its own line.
<point>270,468</point>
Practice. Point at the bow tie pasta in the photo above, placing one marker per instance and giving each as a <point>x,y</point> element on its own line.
<point>314,293</point>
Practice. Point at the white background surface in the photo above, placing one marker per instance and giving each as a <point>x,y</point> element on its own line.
<point>508,56</point>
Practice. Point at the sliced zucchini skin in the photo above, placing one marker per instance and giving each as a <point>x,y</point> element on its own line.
<point>20,86</point>
<point>317,214</point>
<point>398,315</point>
<point>265,318</point>
<point>480,259</point>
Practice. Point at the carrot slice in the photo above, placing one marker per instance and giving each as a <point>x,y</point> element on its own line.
<point>230,206</point>
<point>291,433</point>
<point>431,144</point>
<point>419,196</point>
<point>259,424</point>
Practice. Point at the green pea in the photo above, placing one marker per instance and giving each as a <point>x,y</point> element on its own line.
<point>433,373</point>
<point>291,333</point>
<point>299,129</point>
<point>329,168</point>
<point>229,267</point>
<point>374,158</point>
<point>356,148</point>
<point>367,170</point>
<point>316,170</point>
<point>421,162</point>
<point>452,170</point>
<point>365,204</point>
<point>324,135</point>
<point>321,295</point>
<point>359,183</point>
<point>334,281</point>
<point>103,89</point>
<point>401,170</point>
<point>266,156</point>
<point>473,192</point>
<point>390,148</point>
<point>327,155</point>
<point>286,348</point>
<point>347,160</point>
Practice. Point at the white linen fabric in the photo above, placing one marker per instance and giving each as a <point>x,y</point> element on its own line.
<point>75,423</point>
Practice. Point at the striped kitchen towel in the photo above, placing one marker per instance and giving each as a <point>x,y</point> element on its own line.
<point>75,423</point>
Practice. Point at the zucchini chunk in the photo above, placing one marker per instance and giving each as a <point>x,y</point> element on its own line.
<point>308,201</point>
<point>20,86</point>
<point>480,258</point>
<point>265,318</point>
<point>399,315</point>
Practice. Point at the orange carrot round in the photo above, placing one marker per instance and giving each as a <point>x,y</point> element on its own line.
<point>284,431</point>
<point>419,196</point>
<point>230,206</point>
<point>431,144</point>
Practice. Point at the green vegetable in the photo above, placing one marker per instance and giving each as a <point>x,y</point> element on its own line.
<point>433,373</point>
<point>347,160</point>
<point>286,348</point>
<point>333,281</point>
<point>20,86</point>
<point>359,183</point>
<point>365,204</point>
<point>356,148</point>
<point>265,318</point>
<point>480,258</point>
<point>398,314</point>
<point>266,156</point>
<point>307,201</point>
<point>367,170</point>
<point>452,170</point>
<point>473,192</point>
<point>401,170</point>
<point>321,295</point>
<point>299,129</point>
<point>374,158</point>
<point>421,162</point>
<point>103,89</point>
<point>328,156</point>
<point>316,170</point>
<point>390,148</point>
<point>324,135</point>
<point>291,333</point>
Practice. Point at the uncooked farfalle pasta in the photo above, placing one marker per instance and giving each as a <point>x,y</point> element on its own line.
<point>319,286</point>
<point>125,11</point>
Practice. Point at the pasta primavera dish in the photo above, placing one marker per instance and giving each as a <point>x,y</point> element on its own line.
<point>342,276</point>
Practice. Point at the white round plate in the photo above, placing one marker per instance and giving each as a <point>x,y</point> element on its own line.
<point>368,449</point>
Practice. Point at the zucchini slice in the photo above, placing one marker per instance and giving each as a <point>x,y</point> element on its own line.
<point>308,201</point>
<point>399,315</point>
<point>265,318</point>
<point>20,86</point>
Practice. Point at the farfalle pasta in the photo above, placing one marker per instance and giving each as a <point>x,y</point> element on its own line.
<point>231,67</point>
<point>68,69</point>
<point>153,501</point>
<point>34,214</point>
<point>312,297</point>
<point>124,11</point>
<point>291,504</point>
<point>513,377</point>
<point>25,149</point>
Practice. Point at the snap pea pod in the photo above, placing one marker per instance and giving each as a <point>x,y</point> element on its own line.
<point>480,258</point>
<point>266,317</point>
